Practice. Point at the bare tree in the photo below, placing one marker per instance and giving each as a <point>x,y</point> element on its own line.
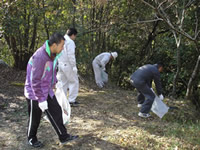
<point>160,9</point>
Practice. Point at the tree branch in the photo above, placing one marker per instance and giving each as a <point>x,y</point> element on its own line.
<point>161,4</point>
<point>147,21</point>
<point>189,3</point>
<point>148,4</point>
<point>165,18</point>
<point>196,28</point>
<point>170,5</point>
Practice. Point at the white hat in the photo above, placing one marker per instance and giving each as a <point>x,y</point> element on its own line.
<point>114,55</point>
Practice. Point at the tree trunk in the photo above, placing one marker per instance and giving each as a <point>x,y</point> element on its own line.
<point>45,22</point>
<point>15,52</point>
<point>151,37</point>
<point>177,71</point>
<point>190,83</point>
<point>74,14</point>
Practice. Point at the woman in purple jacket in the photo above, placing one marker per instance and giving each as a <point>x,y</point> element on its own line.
<point>40,80</point>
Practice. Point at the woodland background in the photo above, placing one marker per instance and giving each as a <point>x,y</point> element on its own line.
<point>141,31</point>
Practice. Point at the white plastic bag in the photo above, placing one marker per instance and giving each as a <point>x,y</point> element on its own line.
<point>159,107</point>
<point>64,104</point>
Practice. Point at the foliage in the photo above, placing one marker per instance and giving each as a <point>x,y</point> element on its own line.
<point>124,26</point>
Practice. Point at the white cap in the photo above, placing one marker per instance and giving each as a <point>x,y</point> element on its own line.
<point>114,55</point>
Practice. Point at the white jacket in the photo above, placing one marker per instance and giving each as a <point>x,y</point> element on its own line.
<point>68,53</point>
<point>102,59</point>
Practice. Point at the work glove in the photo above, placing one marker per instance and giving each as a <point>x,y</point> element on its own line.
<point>43,105</point>
<point>100,84</point>
<point>161,97</point>
<point>75,70</point>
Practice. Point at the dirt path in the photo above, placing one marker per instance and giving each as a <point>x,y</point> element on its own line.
<point>105,120</point>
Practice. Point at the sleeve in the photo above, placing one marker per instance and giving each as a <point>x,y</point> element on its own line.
<point>37,72</point>
<point>104,61</point>
<point>158,83</point>
<point>71,53</point>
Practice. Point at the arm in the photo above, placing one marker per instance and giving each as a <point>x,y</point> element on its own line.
<point>104,61</point>
<point>158,83</point>
<point>37,72</point>
<point>71,53</point>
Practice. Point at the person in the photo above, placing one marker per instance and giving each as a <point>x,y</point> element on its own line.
<point>99,67</point>
<point>40,80</point>
<point>141,79</point>
<point>67,70</point>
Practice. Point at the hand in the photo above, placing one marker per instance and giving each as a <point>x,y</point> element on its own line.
<point>43,105</point>
<point>75,70</point>
<point>161,97</point>
<point>104,69</point>
<point>100,84</point>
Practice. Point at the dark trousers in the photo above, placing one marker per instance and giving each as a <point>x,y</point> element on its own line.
<point>144,92</point>
<point>54,114</point>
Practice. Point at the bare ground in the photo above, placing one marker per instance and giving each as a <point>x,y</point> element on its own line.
<point>105,120</point>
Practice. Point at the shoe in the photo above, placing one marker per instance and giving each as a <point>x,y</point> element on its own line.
<point>139,105</point>
<point>70,138</point>
<point>35,144</point>
<point>144,115</point>
<point>74,104</point>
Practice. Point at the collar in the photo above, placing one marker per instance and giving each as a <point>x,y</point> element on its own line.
<point>156,65</point>
<point>48,48</point>
<point>51,55</point>
<point>67,37</point>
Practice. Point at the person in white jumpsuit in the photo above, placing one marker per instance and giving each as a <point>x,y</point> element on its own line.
<point>67,71</point>
<point>99,67</point>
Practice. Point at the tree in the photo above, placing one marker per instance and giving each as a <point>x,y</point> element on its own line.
<point>19,21</point>
<point>177,29</point>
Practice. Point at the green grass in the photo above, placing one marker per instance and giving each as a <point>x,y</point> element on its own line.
<point>17,84</point>
<point>189,132</point>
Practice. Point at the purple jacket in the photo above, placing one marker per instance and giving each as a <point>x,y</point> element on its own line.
<point>41,75</point>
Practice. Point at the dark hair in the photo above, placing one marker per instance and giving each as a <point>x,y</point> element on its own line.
<point>71,31</point>
<point>55,38</point>
<point>160,64</point>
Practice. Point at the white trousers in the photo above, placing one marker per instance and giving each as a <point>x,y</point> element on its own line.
<point>68,80</point>
<point>101,77</point>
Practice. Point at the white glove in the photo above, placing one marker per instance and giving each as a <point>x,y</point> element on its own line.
<point>104,69</point>
<point>75,70</point>
<point>161,97</point>
<point>100,84</point>
<point>43,105</point>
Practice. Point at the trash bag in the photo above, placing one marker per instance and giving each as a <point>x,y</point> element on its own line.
<point>159,107</point>
<point>64,104</point>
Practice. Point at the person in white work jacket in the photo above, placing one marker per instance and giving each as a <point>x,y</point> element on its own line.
<point>99,67</point>
<point>67,70</point>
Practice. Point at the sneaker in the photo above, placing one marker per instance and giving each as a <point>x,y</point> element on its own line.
<point>74,104</point>
<point>70,138</point>
<point>144,115</point>
<point>139,105</point>
<point>35,144</point>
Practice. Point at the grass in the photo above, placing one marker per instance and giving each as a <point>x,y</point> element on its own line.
<point>106,119</point>
<point>160,136</point>
<point>189,132</point>
<point>17,84</point>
